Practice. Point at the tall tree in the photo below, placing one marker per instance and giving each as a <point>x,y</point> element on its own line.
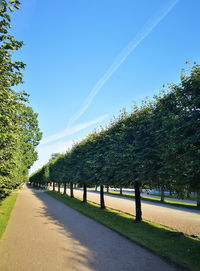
<point>187,137</point>
<point>16,136</point>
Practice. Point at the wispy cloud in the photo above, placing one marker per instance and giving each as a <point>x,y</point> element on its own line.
<point>70,131</point>
<point>142,34</point>
<point>45,151</point>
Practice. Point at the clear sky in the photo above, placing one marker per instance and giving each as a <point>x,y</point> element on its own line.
<point>88,59</point>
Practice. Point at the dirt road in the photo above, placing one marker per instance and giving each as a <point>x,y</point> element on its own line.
<point>43,234</point>
<point>181,219</point>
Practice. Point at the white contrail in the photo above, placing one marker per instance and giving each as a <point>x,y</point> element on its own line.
<point>72,130</point>
<point>145,31</point>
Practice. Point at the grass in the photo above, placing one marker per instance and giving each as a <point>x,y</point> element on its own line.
<point>6,206</point>
<point>183,251</point>
<point>168,202</point>
<point>193,198</point>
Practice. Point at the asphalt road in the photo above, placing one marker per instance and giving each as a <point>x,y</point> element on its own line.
<point>43,234</point>
<point>182,219</point>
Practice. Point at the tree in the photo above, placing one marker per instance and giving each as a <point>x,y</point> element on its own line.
<point>157,145</point>
<point>187,137</point>
<point>30,137</point>
<point>18,138</point>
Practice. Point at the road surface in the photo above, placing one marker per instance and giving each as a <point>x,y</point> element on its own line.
<point>43,234</point>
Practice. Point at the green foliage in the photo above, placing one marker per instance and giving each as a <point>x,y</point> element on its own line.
<point>19,132</point>
<point>187,138</point>
<point>6,206</point>
<point>157,145</point>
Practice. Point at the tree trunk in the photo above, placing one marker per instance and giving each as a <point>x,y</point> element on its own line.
<point>95,187</point>
<point>58,187</point>
<point>120,190</point>
<point>162,195</point>
<point>107,187</point>
<point>71,190</point>
<point>138,209</point>
<point>65,188</point>
<point>53,186</point>
<point>102,204</point>
<point>84,193</point>
<point>198,199</point>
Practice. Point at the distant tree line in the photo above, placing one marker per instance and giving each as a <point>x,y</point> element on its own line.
<point>157,145</point>
<point>19,132</point>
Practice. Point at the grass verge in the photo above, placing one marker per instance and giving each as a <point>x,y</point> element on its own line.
<point>183,251</point>
<point>6,206</point>
<point>167,202</point>
<point>193,198</point>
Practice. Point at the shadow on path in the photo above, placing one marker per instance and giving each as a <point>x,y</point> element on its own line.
<point>95,247</point>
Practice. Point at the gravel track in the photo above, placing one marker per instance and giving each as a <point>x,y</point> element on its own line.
<point>178,218</point>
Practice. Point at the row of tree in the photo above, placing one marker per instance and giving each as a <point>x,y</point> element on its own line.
<point>157,145</point>
<point>19,132</point>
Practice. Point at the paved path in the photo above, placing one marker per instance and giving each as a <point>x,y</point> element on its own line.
<point>181,219</point>
<point>43,234</point>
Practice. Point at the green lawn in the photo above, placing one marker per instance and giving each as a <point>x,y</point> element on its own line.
<point>6,206</point>
<point>184,250</point>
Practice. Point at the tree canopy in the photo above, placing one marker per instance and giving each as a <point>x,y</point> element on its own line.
<point>157,145</point>
<point>19,132</point>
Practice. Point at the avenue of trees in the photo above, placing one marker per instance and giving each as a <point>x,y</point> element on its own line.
<point>157,145</point>
<point>19,132</point>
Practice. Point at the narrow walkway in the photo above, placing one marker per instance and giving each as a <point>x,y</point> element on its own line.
<point>43,234</point>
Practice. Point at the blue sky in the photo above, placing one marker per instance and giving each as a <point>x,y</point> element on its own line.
<point>70,45</point>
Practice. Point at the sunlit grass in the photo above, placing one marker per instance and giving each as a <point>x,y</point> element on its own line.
<point>6,206</point>
<point>192,198</point>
